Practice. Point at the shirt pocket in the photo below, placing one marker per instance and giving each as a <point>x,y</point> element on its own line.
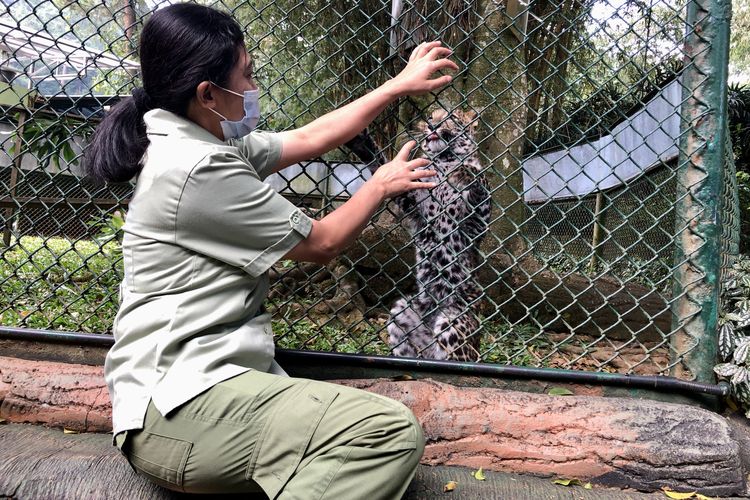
<point>161,459</point>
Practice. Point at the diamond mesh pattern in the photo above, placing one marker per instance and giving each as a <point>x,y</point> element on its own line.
<point>584,124</point>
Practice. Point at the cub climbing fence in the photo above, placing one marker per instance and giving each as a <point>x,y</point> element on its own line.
<point>601,132</point>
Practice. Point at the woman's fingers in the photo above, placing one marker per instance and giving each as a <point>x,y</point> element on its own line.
<point>438,52</point>
<point>440,82</point>
<point>403,154</point>
<point>426,47</point>
<point>421,174</point>
<point>423,48</point>
<point>418,163</point>
<point>444,64</point>
<point>422,185</point>
<point>415,52</point>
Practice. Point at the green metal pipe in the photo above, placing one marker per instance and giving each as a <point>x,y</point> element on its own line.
<point>328,359</point>
<point>699,219</point>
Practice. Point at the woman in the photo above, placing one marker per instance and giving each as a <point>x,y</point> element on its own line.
<point>199,405</point>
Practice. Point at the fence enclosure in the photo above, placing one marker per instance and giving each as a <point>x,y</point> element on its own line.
<point>601,131</point>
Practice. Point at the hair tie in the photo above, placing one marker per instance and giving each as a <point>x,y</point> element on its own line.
<point>142,100</point>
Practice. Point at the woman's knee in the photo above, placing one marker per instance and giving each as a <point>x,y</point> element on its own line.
<point>419,442</point>
<point>383,423</point>
<point>410,430</point>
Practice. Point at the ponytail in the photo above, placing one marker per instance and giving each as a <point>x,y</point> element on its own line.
<point>118,144</point>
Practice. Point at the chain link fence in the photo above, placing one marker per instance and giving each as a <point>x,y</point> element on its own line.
<point>600,132</point>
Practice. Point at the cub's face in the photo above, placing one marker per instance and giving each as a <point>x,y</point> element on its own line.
<point>447,132</point>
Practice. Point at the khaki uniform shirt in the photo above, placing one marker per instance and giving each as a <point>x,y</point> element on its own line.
<point>201,231</point>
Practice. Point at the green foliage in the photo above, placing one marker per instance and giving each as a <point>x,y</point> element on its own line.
<point>523,345</point>
<point>734,341</point>
<point>50,140</point>
<point>739,132</point>
<point>109,229</point>
<point>607,63</point>
<point>738,107</point>
<point>743,188</point>
<point>739,43</point>
<point>654,273</point>
<point>59,284</point>
<point>332,337</point>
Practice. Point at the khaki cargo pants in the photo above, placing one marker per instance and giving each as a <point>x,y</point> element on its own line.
<point>293,438</point>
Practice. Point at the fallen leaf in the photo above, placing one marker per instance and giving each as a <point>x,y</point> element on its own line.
<point>402,377</point>
<point>478,475</point>
<point>677,494</point>
<point>587,486</point>
<point>69,431</point>
<point>450,486</point>
<point>567,482</point>
<point>3,421</point>
<point>560,391</point>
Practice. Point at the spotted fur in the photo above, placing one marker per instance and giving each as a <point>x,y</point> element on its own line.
<point>447,223</point>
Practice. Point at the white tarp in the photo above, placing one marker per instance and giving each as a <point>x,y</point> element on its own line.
<point>638,144</point>
<point>345,179</point>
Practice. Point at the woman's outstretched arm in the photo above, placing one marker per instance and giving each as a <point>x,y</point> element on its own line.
<point>337,127</point>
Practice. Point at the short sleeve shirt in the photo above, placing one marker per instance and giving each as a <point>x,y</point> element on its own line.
<point>201,232</point>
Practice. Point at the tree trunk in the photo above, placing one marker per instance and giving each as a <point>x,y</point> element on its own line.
<point>495,86</point>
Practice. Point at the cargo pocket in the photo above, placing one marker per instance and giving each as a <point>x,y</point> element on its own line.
<point>161,459</point>
<point>286,435</point>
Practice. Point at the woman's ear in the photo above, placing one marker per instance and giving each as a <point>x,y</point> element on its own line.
<point>203,95</point>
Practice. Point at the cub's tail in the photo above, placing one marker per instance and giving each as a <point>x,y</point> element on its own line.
<point>363,146</point>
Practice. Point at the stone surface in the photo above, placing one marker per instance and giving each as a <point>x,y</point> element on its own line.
<point>37,462</point>
<point>611,441</point>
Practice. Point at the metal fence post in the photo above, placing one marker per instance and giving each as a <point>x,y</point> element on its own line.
<point>699,218</point>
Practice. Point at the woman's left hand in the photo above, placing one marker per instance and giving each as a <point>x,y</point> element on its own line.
<point>427,59</point>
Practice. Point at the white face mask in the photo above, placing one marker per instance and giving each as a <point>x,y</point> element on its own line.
<point>240,128</point>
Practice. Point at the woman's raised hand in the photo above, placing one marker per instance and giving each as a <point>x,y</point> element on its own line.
<point>426,59</point>
<point>401,174</point>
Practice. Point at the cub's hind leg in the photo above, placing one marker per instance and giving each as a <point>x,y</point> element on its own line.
<point>456,334</point>
<point>407,333</point>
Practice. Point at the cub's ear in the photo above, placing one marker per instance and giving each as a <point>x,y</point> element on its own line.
<point>470,118</point>
<point>439,115</point>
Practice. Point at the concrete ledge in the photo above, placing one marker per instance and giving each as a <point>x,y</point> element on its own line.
<point>609,441</point>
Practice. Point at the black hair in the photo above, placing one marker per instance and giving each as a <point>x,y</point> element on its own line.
<point>181,46</point>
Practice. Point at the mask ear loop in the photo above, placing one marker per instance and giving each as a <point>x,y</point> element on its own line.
<point>226,90</point>
<point>212,109</point>
<point>217,113</point>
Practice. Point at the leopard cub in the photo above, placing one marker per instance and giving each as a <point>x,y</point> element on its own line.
<point>447,223</point>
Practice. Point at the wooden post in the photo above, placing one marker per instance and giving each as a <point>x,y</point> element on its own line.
<point>596,239</point>
<point>14,169</point>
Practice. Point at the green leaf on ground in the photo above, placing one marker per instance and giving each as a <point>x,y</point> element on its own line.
<point>560,391</point>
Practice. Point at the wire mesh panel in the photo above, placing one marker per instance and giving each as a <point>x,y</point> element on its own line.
<point>590,126</point>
